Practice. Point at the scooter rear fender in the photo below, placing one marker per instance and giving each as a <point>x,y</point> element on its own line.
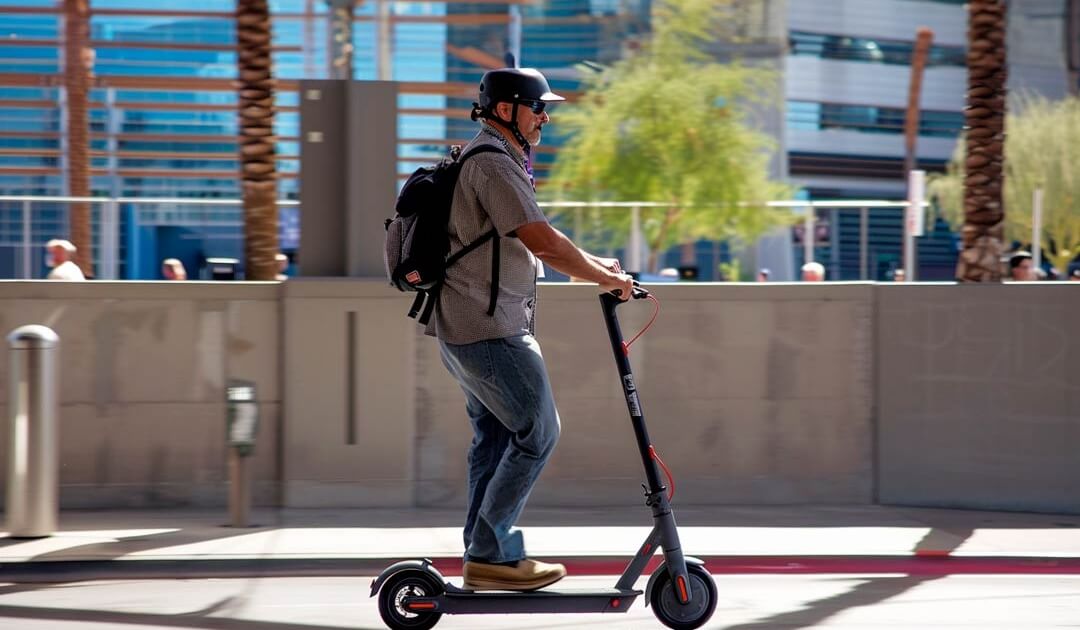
<point>418,565</point>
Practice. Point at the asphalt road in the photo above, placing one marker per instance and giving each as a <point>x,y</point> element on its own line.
<point>756,602</point>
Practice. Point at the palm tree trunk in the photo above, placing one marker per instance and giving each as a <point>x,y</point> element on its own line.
<point>257,159</point>
<point>984,214</point>
<point>78,61</point>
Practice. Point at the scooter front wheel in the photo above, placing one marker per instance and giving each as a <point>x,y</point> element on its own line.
<point>672,613</point>
<point>408,583</point>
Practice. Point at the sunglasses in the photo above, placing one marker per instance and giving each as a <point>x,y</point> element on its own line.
<point>536,107</point>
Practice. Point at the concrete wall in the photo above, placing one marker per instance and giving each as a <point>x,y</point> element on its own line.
<point>142,402</point>
<point>832,393</point>
<point>335,457</point>
<point>979,396</point>
<point>752,394</point>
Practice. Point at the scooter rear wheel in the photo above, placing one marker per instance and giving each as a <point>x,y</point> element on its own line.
<point>673,614</point>
<point>408,583</point>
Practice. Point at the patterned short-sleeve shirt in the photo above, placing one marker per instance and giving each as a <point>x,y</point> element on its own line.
<point>493,190</point>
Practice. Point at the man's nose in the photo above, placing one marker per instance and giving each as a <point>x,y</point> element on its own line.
<point>544,117</point>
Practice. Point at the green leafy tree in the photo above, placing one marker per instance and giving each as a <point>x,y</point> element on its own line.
<point>1041,143</point>
<point>669,124</point>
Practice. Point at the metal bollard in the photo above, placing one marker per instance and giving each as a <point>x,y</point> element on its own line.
<point>33,468</point>
<point>242,424</point>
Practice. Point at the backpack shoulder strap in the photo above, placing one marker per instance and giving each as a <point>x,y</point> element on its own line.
<point>492,234</point>
<point>481,148</point>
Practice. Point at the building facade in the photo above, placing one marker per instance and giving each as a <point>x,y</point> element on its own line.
<point>163,121</point>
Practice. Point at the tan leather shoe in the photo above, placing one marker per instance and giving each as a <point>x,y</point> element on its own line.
<point>527,575</point>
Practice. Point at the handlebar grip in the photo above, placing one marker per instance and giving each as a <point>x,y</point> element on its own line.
<point>637,293</point>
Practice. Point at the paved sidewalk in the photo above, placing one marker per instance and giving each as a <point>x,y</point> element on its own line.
<point>784,539</point>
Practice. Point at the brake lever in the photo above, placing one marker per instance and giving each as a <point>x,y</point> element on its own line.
<point>638,292</point>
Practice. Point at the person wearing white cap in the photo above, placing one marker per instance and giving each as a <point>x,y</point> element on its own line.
<point>59,257</point>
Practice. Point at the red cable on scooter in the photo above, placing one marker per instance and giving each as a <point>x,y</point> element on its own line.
<point>656,311</point>
<point>626,351</point>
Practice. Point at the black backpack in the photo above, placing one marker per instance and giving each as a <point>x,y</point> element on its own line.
<point>417,242</point>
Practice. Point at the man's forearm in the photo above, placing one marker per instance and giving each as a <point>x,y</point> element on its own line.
<point>593,257</point>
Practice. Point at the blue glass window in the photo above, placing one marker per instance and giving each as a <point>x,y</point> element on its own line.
<point>864,49</point>
<point>809,116</point>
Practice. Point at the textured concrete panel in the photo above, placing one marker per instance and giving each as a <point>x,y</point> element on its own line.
<point>320,463</point>
<point>978,396</point>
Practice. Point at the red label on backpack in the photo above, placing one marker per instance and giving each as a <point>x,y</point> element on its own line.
<point>413,277</point>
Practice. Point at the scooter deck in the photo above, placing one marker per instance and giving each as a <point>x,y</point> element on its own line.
<point>456,601</point>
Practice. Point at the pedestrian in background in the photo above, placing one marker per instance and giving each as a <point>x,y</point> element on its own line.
<point>173,269</point>
<point>813,272</point>
<point>1022,267</point>
<point>282,266</point>
<point>59,256</point>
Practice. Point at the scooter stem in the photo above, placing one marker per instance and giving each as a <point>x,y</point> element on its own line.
<point>633,403</point>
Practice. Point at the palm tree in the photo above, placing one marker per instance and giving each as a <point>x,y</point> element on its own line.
<point>78,61</point>
<point>256,138</point>
<point>984,214</point>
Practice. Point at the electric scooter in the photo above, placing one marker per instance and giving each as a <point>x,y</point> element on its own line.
<point>413,595</point>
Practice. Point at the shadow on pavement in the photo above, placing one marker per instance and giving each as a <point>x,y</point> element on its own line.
<point>197,619</point>
<point>867,593</point>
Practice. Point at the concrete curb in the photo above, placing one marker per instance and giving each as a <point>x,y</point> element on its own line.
<point>54,571</point>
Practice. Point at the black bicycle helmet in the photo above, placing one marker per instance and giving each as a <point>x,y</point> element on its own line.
<point>512,85</point>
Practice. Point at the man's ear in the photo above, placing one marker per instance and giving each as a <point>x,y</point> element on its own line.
<point>504,110</point>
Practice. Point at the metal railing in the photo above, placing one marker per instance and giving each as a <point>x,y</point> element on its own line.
<point>28,222</point>
<point>22,232</point>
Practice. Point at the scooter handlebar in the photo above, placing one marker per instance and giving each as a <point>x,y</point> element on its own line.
<point>638,293</point>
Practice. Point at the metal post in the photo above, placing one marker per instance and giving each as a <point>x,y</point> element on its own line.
<point>808,235</point>
<point>113,124</point>
<point>913,221</point>
<point>27,240</point>
<point>33,466</point>
<point>634,262</point>
<point>384,41</point>
<point>864,238</point>
<point>514,34</point>
<point>239,489</point>
<point>1036,228</point>
<point>110,239</point>
<point>834,242</point>
<point>309,39</point>
<point>65,145</point>
<point>241,426</point>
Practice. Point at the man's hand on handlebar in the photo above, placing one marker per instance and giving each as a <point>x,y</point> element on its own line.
<point>619,284</point>
<point>611,264</point>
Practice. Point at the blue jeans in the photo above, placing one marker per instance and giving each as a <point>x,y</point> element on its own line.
<point>515,428</point>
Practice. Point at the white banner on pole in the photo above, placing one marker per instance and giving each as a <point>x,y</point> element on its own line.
<point>916,216</point>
